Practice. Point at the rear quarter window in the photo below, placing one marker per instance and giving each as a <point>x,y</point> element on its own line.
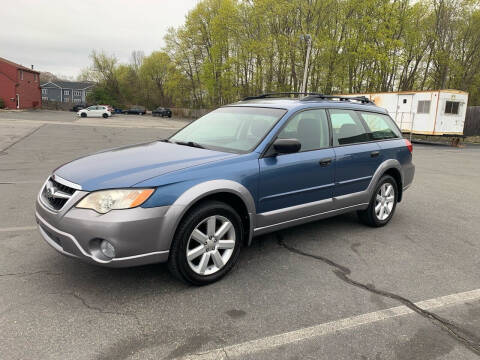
<point>380,126</point>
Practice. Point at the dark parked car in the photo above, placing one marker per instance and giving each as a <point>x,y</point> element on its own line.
<point>78,107</point>
<point>243,170</point>
<point>136,110</point>
<point>161,111</point>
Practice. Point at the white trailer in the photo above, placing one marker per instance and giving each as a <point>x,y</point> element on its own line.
<point>439,112</point>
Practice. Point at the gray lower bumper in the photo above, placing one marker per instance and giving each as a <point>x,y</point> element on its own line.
<point>135,233</point>
<point>408,173</point>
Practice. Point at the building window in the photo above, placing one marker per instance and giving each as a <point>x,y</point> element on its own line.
<point>451,107</point>
<point>404,101</point>
<point>77,93</point>
<point>66,99</point>
<point>35,77</point>
<point>77,101</point>
<point>423,107</point>
<point>44,91</point>
<point>44,98</point>
<point>66,92</point>
<point>20,74</point>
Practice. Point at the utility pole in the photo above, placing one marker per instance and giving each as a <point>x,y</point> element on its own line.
<point>308,39</point>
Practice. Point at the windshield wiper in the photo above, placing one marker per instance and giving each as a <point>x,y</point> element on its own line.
<point>164,140</point>
<point>190,143</point>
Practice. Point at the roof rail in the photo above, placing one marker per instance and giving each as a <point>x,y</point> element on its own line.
<point>313,96</point>
<point>360,99</point>
<point>269,95</point>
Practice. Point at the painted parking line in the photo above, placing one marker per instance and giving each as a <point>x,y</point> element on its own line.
<point>18,228</point>
<point>20,182</point>
<point>271,342</point>
<point>133,125</point>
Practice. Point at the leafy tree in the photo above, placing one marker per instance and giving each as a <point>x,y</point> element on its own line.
<point>228,49</point>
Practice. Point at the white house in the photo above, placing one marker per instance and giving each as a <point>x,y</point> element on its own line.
<point>438,112</point>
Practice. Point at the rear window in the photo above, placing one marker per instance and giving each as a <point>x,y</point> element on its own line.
<point>380,126</point>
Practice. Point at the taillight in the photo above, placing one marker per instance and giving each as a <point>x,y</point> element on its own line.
<point>409,145</point>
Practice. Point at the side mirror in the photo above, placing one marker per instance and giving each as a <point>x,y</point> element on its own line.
<point>286,146</point>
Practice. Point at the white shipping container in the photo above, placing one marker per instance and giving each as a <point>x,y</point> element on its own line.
<point>439,112</point>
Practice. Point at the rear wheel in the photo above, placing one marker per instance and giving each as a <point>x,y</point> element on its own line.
<point>207,243</point>
<point>383,203</point>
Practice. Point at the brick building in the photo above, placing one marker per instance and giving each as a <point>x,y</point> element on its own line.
<point>19,86</point>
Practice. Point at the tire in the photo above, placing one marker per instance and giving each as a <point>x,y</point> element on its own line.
<point>170,115</point>
<point>211,253</point>
<point>83,115</point>
<point>377,217</point>
<point>105,116</point>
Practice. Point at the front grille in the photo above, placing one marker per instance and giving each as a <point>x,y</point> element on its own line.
<point>55,195</point>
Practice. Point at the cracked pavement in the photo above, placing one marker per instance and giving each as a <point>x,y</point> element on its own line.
<point>52,307</point>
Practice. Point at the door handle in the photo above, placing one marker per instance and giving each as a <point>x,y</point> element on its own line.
<point>374,154</point>
<point>325,162</point>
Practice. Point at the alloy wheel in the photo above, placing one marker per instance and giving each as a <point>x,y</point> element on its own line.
<point>211,245</point>
<point>384,201</point>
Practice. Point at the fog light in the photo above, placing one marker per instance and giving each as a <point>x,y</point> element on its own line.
<point>107,249</point>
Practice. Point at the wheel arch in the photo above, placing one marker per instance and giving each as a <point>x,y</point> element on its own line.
<point>390,167</point>
<point>228,191</point>
<point>395,173</point>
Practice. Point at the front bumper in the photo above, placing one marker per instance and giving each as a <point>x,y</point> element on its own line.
<point>135,233</point>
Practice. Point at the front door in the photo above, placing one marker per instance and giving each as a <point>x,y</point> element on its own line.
<point>299,184</point>
<point>18,101</point>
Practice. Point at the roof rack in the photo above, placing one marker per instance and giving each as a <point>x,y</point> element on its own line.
<point>313,96</point>
<point>360,99</point>
<point>270,95</point>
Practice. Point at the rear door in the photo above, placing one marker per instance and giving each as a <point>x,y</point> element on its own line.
<point>387,135</point>
<point>299,184</point>
<point>357,157</point>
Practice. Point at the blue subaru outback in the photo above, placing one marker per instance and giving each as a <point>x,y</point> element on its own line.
<point>259,165</point>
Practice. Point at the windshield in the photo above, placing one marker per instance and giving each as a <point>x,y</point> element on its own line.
<point>231,129</point>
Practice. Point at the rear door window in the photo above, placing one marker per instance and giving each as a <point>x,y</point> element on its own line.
<point>347,127</point>
<point>381,126</point>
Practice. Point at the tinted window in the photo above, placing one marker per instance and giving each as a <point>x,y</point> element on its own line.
<point>347,127</point>
<point>237,129</point>
<point>451,107</point>
<point>380,126</point>
<point>310,128</point>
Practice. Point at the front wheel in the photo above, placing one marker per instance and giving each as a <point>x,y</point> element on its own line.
<point>83,115</point>
<point>383,203</point>
<point>207,243</point>
<point>105,116</point>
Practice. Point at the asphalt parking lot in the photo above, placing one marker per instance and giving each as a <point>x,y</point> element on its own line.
<point>332,289</point>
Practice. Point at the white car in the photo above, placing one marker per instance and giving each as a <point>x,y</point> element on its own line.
<point>95,111</point>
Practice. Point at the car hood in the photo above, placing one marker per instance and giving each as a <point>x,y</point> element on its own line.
<point>127,166</point>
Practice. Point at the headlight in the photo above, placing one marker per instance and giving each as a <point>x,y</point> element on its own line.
<point>106,200</point>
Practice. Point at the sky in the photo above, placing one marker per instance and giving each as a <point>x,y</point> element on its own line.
<point>58,36</point>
